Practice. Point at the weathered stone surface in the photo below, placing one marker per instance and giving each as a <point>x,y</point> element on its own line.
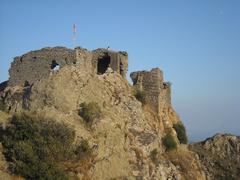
<point>3,85</point>
<point>118,61</point>
<point>125,136</point>
<point>146,138</point>
<point>15,99</point>
<point>158,92</point>
<point>219,156</point>
<point>39,64</point>
<point>127,132</point>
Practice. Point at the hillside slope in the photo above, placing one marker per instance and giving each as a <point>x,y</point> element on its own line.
<point>219,156</point>
<point>128,131</point>
<point>124,137</point>
<point>135,132</point>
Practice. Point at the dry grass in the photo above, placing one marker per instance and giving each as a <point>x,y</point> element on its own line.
<point>4,117</point>
<point>7,176</point>
<point>81,166</point>
<point>185,160</point>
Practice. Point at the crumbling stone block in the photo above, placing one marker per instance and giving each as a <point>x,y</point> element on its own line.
<point>158,93</point>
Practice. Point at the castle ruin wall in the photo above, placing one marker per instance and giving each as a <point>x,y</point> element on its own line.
<point>35,65</point>
<point>38,64</point>
<point>158,92</point>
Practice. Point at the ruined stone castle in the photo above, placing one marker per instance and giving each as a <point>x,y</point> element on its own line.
<point>35,65</point>
<point>129,140</point>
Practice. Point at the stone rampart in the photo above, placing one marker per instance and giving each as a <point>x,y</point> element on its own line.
<point>32,66</point>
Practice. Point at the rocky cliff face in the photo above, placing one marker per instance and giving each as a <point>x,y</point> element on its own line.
<point>126,134</point>
<point>128,139</point>
<point>219,156</point>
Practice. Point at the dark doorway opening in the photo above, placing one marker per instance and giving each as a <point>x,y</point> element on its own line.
<point>103,64</point>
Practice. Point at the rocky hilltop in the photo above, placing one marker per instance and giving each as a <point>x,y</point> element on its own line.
<point>219,156</point>
<point>137,136</point>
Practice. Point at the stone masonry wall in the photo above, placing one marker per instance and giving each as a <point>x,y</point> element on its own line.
<point>158,93</point>
<point>84,58</point>
<point>118,60</point>
<point>35,65</point>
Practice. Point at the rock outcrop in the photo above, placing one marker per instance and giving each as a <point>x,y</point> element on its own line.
<point>124,137</point>
<point>219,156</point>
<point>158,95</point>
<point>127,139</point>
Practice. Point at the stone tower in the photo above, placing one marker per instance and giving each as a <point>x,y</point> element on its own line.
<point>158,92</point>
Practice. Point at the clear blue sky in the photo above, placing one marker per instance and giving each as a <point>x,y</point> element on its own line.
<point>195,43</point>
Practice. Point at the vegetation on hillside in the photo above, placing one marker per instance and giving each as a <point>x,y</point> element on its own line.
<point>181,133</point>
<point>154,155</point>
<point>3,100</point>
<point>37,148</point>
<point>169,142</point>
<point>2,105</point>
<point>83,149</point>
<point>90,112</point>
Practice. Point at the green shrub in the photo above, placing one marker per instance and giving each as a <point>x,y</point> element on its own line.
<point>83,149</point>
<point>35,147</point>
<point>90,112</point>
<point>154,156</point>
<point>2,105</point>
<point>141,96</point>
<point>181,133</point>
<point>169,142</point>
